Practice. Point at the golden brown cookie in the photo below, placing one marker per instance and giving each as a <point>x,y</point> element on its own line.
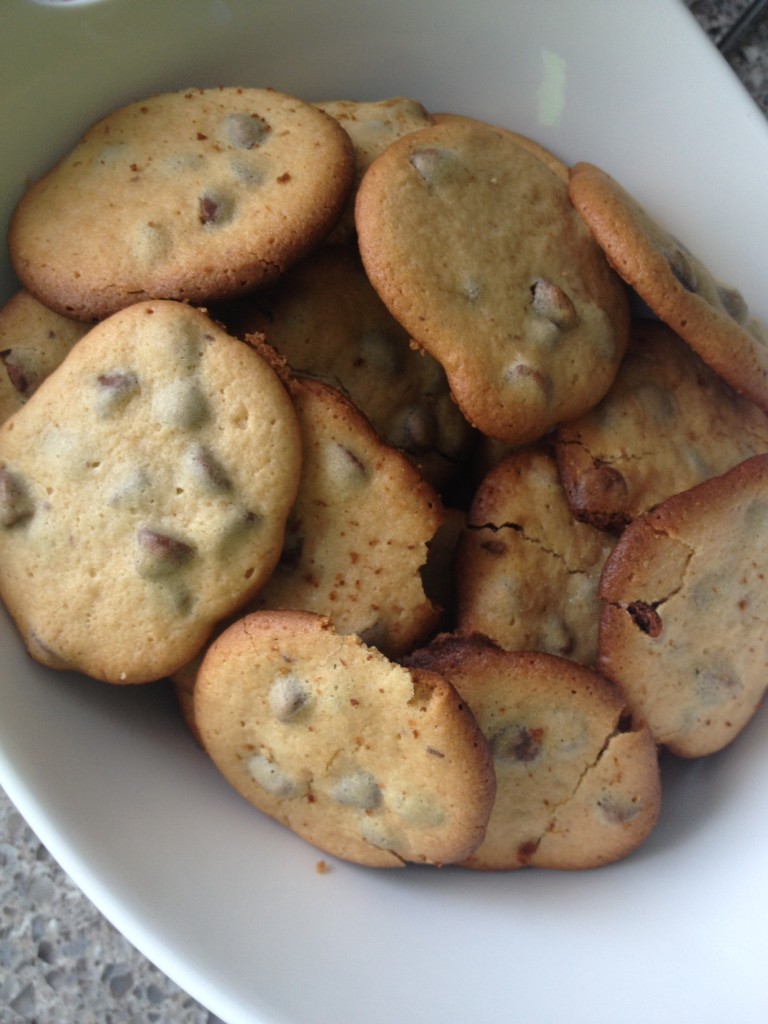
<point>527,571</point>
<point>710,316</point>
<point>682,629</point>
<point>325,319</point>
<point>359,532</point>
<point>209,191</point>
<point>372,125</point>
<point>369,761</point>
<point>554,163</point>
<point>33,341</point>
<point>577,778</point>
<point>473,244</point>
<point>667,423</point>
<point>144,490</point>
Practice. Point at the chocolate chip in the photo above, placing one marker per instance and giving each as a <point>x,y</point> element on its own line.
<point>288,696</point>
<point>551,302</point>
<point>494,547</point>
<point>270,777</point>
<point>681,265</point>
<point>207,468</point>
<point>215,208</point>
<point>16,374</point>
<point>525,376</point>
<point>618,812</point>
<point>382,352</point>
<point>160,554</point>
<point>435,165</point>
<point>245,131</point>
<point>517,743</point>
<point>15,501</point>
<point>357,789</point>
<point>415,429</point>
<point>646,618</point>
<point>733,303</point>
<point>115,389</point>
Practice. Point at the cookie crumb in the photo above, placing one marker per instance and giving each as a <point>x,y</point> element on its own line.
<point>322,867</point>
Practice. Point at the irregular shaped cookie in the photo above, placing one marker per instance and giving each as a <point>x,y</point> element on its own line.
<point>33,341</point>
<point>527,571</point>
<point>372,125</point>
<point>369,761</point>
<point>577,778</point>
<point>359,532</point>
<point>474,246</point>
<point>325,319</point>
<point>683,624</point>
<point>144,490</point>
<point>667,423</point>
<point>710,316</point>
<point>210,191</point>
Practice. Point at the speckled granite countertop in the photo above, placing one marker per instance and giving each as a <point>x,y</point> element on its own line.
<point>61,962</point>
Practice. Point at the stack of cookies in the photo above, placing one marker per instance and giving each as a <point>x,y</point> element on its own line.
<point>337,416</point>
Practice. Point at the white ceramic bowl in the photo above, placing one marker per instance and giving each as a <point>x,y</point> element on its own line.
<point>225,901</point>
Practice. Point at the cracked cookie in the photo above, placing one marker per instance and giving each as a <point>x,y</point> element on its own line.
<point>370,761</point>
<point>473,244</point>
<point>682,629</point>
<point>527,571</point>
<point>668,422</point>
<point>144,490</point>
<point>710,316</point>
<point>211,192</point>
<point>577,778</point>
<point>325,319</point>
<point>358,534</point>
<point>33,341</point>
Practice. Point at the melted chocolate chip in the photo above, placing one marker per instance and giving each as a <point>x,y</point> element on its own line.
<point>160,554</point>
<point>16,374</point>
<point>646,618</point>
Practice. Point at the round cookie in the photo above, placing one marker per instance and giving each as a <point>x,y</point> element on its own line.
<point>210,192</point>
<point>577,779</point>
<point>472,243</point>
<point>667,423</point>
<point>325,319</point>
<point>682,629</point>
<point>527,571</point>
<point>711,317</point>
<point>33,341</point>
<point>144,490</point>
<point>359,532</point>
<point>367,760</point>
<point>372,125</point>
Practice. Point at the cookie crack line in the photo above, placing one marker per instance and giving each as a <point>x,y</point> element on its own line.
<point>624,724</point>
<point>518,528</point>
<point>645,614</point>
<point>608,459</point>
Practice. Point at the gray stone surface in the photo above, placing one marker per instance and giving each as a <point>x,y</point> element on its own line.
<point>60,961</point>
